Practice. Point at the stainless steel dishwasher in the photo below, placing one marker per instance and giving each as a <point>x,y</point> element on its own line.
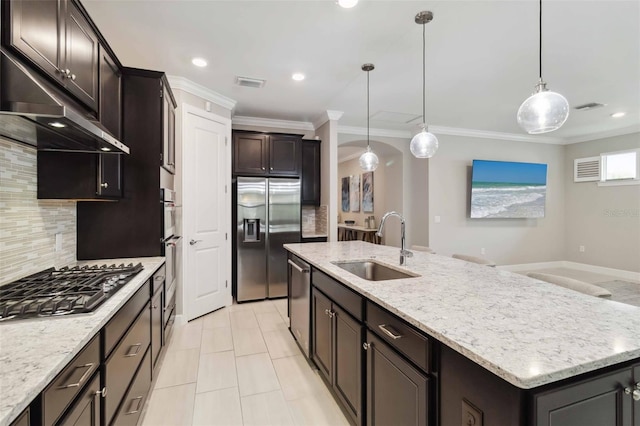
<point>300,301</point>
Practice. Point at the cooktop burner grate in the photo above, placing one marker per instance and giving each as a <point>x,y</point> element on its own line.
<point>52,292</point>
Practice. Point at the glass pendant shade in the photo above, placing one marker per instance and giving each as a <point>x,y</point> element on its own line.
<point>543,112</point>
<point>424,144</point>
<point>368,160</point>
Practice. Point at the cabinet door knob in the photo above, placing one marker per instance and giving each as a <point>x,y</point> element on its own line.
<point>263,168</point>
<point>366,346</point>
<point>103,392</point>
<point>104,185</point>
<point>635,393</point>
<point>73,77</point>
<point>270,168</point>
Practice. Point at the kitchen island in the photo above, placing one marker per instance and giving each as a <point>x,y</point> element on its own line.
<point>531,336</point>
<point>34,351</point>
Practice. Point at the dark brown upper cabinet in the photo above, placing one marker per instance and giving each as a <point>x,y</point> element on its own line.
<point>79,175</point>
<point>266,154</point>
<point>168,128</point>
<point>110,93</point>
<point>57,37</point>
<point>310,172</point>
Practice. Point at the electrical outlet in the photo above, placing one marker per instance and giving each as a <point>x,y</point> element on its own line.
<point>483,251</point>
<point>436,219</point>
<point>582,250</point>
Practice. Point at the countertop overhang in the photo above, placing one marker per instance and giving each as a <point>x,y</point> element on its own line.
<point>528,332</point>
<point>34,351</point>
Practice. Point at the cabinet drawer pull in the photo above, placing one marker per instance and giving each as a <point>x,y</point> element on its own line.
<point>389,331</point>
<point>82,378</point>
<point>135,347</point>
<point>138,402</point>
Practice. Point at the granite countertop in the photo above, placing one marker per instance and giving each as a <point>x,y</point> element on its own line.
<point>528,332</point>
<point>34,351</point>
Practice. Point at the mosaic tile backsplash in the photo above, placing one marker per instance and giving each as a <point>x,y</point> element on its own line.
<point>314,221</point>
<point>28,226</point>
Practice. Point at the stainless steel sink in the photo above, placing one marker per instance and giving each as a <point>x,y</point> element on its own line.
<point>372,271</point>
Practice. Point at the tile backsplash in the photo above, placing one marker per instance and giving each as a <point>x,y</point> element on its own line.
<point>314,221</point>
<point>28,226</point>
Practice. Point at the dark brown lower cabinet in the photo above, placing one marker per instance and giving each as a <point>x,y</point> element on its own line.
<point>337,351</point>
<point>157,306</point>
<point>397,393</point>
<point>322,342</point>
<point>636,404</point>
<point>86,410</point>
<point>597,401</point>
<point>23,419</point>
<point>135,398</point>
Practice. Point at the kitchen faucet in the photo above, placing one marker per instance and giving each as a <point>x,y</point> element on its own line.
<point>404,254</point>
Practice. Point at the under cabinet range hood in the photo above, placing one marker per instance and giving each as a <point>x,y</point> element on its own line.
<point>31,113</point>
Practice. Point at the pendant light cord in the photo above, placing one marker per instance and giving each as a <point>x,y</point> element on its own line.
<point>540,42</point>
<point>368,110</point>
<point>424,75</point>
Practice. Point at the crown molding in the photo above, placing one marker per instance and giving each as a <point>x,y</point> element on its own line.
<point>602,135</point>
<point>184,84</point>
<point>327,116</point>
<point>487,134</point>
<point>269,122</point>
<point>452,131</point>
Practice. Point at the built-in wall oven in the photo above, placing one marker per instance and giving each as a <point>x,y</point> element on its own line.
<point>171,248</point>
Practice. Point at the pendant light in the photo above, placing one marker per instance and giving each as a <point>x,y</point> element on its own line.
<point>368,160</point>
<point>424,144</point>
<point>544,111</point>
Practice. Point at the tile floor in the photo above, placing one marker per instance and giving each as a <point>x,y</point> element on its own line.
<point>239,366</point>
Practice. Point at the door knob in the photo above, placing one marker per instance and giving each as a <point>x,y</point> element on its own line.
<point>104,185</point>
<point>194,242</point>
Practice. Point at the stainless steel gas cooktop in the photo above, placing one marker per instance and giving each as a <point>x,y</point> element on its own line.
<point>62,292</point>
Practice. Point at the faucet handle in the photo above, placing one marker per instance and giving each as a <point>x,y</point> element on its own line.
<point>406,253</point>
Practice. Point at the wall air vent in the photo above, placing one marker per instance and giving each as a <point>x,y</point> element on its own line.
<point>589,106</point>
<point>256,83</point>
<point>586,169</point>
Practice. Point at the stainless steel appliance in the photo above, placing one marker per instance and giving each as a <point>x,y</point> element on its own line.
<point>268,216</point>
<point>168,200</point>
<point>31,113</point>
<point>65,291</point>
<point>171,249</point>
<point>300,301</point>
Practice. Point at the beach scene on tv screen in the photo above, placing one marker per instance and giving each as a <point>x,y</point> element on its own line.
<point>502,189</point>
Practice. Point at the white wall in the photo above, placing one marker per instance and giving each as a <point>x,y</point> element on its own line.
<point>507,241</point>
<point>603,219</point>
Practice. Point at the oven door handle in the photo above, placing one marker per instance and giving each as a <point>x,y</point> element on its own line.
<point>173,241</point>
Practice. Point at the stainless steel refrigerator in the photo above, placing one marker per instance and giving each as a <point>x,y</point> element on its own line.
<point>268,216</point>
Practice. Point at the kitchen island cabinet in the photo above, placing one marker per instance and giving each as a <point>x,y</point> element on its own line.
<point>501,348</point>
<point>34,355</point>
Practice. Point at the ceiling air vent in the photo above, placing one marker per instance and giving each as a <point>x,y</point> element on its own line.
<point>590,105</point>
<point>586,169</point>
<point>256,83</point>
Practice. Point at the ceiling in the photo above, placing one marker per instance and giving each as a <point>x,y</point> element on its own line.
<point>482,57</point>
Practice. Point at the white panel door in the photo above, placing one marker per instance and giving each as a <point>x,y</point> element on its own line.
<point>207,215</point>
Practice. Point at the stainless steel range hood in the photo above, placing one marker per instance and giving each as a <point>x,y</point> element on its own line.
<point>31,113</point>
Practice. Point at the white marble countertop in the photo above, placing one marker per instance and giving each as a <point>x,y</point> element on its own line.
<point>528,332</point>
<point>34,351</point>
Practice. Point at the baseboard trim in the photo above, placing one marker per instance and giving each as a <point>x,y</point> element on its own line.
<point>618,273</point>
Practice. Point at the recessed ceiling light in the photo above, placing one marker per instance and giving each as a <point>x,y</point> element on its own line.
<point>57,124</point>
<point>618,114</point>
<point>104,148</point>
<point>347,4</point>
<point>199,62</point>
<point>298,76</point>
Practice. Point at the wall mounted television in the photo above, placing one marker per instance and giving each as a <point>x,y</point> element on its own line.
<point>502,189</point>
